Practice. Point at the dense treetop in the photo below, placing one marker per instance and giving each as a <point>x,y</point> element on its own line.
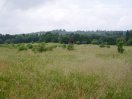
<point>63,36</point>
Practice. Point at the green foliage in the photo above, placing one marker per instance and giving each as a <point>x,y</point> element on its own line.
<point>4,45</point>
<point>41,47</point>
<point>64,46</point>
<point>63,74</point>
<point>29,46</point>
<point>84,42</point>
<point>94,41</point>
<point>120,43</point>
<point>78,42</point>
<point>50,48</point>
<point>129,42</point>
<point>78,37</point>
<point>22,47</point>
<point>102,45</point>
<point>70,47</point>
<point>128,35</point>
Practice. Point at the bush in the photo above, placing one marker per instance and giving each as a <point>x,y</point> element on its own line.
<point>43,48</point>
<point>39,48</point>
<point>70,47</point>
<point>120,43</point>
<point>50,48</point>
<point>102,45</point>
<point>13,45</point>
<point>94,41</point>
<point>64,46</point>
<point>22,48</point>
<point>29,46</point>
<point>34,49</point>
<point>129,42</point>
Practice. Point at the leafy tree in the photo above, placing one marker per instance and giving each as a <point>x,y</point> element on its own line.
<point>78,42</point>
<point>129,42</point>
<point>127,35</point>
<point>94,41</point>
<point>94,37</point>
<point>64,39</point>
<point>84,42</point>
<point>120,43</point>
<point>1,41</point>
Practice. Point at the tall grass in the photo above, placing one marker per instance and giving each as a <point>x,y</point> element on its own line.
<point>88,72</point>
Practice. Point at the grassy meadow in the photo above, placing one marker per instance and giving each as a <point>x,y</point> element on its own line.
<point>88,72</point>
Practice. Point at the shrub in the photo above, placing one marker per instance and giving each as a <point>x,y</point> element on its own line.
<point>29,46</point>
<point>13,45</point>
<point>39,48</point>
<point>102,45</point>
<point>94,41</point>
<point>34,49</point>
<point>22,48</point>
<point>70,47</point>
<point>64,46</point>
<point>50,48</point>
<point>120,43</point>
<point>129,42</point>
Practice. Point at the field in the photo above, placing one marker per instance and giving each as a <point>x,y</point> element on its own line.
<point>88,72</point>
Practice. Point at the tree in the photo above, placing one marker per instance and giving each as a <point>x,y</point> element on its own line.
<point>127,35</point>
<point>120,43</point>
<point>1,41</point>
<point>129,42</point>
<point>94,41</point>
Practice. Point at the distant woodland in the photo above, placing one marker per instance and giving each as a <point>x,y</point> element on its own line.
<point>65,37</point>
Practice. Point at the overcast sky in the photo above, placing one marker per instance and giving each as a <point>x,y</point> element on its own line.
<point>22,16</point>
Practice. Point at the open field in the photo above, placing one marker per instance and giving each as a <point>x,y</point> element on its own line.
<point>88,72</point>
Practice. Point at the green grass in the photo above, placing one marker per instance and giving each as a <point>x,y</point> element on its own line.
<point>88,72</point>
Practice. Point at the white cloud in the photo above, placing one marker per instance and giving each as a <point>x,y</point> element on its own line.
<point>67,14</point>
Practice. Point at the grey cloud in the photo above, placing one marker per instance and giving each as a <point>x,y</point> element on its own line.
<point>24,4</point>
<point>19,16</point>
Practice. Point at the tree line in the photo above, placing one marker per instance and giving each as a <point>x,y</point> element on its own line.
<point>62,36</point>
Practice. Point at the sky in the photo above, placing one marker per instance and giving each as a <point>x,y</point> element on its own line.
<point>25,16</point>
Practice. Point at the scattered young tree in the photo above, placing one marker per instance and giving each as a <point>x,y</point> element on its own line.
<point>120,43</point>
<point>129,42</point>
<point>29,46</point>
<point>22,47</point>
<point>39,48</point>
